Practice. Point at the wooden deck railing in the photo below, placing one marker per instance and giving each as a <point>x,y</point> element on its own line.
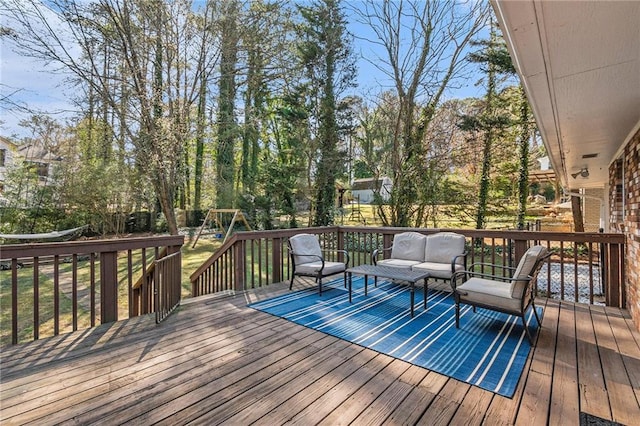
<point>167,277</point>
<point>585,267</point>
<point>98,279</point>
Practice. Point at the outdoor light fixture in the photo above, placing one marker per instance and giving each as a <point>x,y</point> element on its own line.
<point>584,172</point>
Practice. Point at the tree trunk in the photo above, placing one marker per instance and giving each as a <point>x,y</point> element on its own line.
<point>576,208</point>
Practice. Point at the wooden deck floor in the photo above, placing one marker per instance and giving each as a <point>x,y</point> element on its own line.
<point>217,361</point>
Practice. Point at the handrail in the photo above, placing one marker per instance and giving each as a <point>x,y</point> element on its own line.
<point>167,288</point>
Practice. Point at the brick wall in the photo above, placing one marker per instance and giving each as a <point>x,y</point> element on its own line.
<point>624,180</point>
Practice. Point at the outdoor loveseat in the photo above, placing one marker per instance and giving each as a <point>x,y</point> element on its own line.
<point>441,254</point>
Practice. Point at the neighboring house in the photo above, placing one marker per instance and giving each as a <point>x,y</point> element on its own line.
<point>41,159</point>
<point>8,151</point>
<point>579,63</point>
<point>363,189</point>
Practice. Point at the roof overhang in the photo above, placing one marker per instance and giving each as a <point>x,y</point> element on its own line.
<point>579,62</point>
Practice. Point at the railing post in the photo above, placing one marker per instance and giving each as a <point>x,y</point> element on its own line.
<point>340,244</point>
<point>276,260</point>
<point>387,241</point>
<point>239,262</point>
<point>108,287</point>
<point>613,283</point>
<point>520,247</point>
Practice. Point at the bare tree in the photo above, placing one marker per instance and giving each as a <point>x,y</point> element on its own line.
<point>156,87</point>
<point>424,45</point>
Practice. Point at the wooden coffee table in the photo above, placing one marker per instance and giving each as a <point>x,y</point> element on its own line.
<point>412,277</point>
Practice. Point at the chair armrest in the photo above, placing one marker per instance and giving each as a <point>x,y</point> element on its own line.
<point>377,252</point>
<point>346,254</point>
<point>493,266</point>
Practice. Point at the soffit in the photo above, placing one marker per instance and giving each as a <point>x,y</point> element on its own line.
<point>580,64</point>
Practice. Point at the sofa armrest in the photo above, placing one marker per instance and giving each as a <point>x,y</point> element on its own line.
<point>454,261</point>
<point>377,252</point>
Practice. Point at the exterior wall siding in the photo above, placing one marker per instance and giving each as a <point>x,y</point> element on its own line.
<point>592,210</point>
<point>624,179</point>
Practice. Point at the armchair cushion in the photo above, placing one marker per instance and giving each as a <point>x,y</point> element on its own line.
<point>442,247</point>
<point>330,268</point>
<point>307,244</point>
<point>488,292</point>
<point>525,269</point>
<point>409,246</point>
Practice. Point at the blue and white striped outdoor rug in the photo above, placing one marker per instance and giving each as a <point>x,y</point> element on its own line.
<point>489,349</point>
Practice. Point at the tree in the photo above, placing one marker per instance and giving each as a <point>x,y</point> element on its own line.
<point>136,36</point>
<point>523,175</point>
<point>227,126</point>
<point>325,51</point>
<point>492,121</point>
<point>421,71</point>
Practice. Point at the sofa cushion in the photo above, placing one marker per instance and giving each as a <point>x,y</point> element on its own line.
<point>488,292</point>
<point>408,246</point>
<point>308,245</point>
<point>443,247</point>
<point>398,263</point>
<point>520,278</point>
<point>312,268</point>
<point>437,270</point>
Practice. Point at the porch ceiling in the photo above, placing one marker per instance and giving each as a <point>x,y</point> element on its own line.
<point>580,64</point>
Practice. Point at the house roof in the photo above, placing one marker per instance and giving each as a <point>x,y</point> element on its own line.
<point>579,62</point>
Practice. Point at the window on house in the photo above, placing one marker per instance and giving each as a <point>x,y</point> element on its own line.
<point>3,157</point>
<point>41,169</point>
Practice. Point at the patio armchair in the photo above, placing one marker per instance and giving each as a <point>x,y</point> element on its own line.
<point>307,259</point>
<point>510,291</point>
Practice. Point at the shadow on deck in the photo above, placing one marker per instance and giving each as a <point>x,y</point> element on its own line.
<point>215,360</point>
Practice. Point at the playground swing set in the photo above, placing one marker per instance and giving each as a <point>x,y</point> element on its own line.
<point>215,217</point>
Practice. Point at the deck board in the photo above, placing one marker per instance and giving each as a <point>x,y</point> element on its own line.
<point>217,361</point>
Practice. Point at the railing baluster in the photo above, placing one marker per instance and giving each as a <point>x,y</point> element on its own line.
<point>36,298</point>
<point>74,291</point>
<point>575,272</point>
<point>56,295</point>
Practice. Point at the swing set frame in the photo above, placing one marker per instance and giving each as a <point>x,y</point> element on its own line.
<point>215,216</point>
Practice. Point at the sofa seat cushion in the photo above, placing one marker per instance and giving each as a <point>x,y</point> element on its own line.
<point>398,263</point>
<point>437,270</point>
<point>488,292</point>
<point>312,268</point>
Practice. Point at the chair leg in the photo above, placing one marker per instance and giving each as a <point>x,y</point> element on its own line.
<point>535,312</point>
<point>291,283</point>
<point>457,314</point>
<point>526,329</point>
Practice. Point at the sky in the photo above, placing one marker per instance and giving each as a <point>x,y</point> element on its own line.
<point>31,82</point>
